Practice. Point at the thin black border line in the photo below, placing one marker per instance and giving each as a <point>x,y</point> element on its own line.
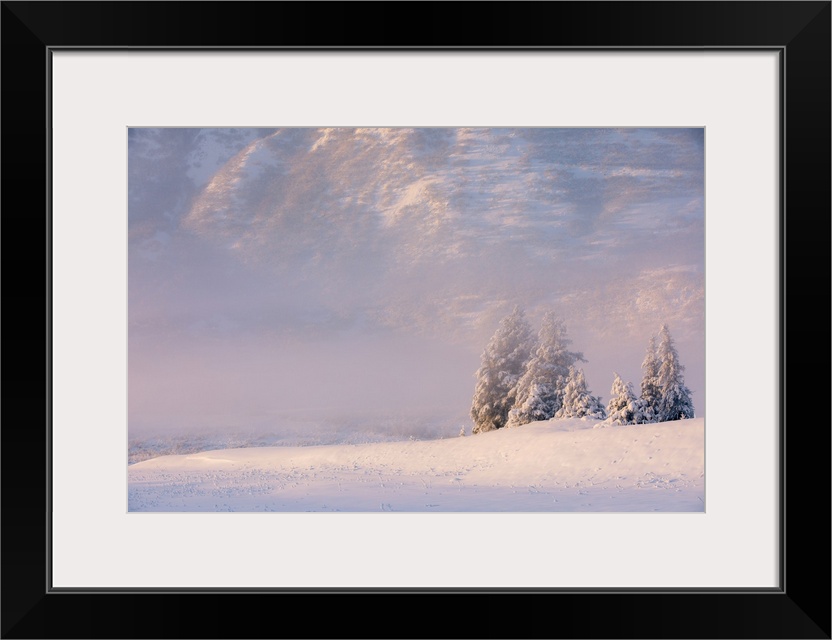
<point>411,590</point>
<point>781,589</point>
<point>49,399</point>
<point>781,297</point>
<point>426,49</point>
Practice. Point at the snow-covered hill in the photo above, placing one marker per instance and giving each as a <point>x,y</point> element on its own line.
<point>556,465</point>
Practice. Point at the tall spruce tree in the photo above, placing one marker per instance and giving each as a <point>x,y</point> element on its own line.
<point>675,401</point>
<point>501,365</point>
<point>650,390</point>
<point>539,392</point>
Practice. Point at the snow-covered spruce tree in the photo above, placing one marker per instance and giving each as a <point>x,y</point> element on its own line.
<point>540,403</point>
<point>540,389</point>
<point>623,407</point>
<point>675,402</point>
<point>650,392</point>
<point>501,366</point>
<point>578,402</point>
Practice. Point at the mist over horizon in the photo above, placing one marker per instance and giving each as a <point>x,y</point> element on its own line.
<point>320,273</point>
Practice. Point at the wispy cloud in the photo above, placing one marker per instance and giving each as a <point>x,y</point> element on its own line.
<point>302,233</point>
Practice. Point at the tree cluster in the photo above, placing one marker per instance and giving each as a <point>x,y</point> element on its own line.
<point>664,395</point>
<point>524,378</point>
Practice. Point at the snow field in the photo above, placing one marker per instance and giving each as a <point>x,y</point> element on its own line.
<point>555,465</point>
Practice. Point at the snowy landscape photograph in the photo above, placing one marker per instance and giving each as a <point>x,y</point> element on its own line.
<point>467,320</point>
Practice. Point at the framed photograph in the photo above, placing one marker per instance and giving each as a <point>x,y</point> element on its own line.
<point>307,307</point>
<point>321,318</point>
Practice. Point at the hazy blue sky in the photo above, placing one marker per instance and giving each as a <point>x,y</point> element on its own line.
<point>298,270</point>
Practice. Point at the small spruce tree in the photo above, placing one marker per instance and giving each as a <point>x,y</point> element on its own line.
<point>623,407</point>
<point>539,404</point>
<point>578,402</point>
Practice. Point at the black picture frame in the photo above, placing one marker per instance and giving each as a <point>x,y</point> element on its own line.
<point>798,608</point>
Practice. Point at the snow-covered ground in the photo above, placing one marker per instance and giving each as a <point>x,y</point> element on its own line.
<point>556,465</point>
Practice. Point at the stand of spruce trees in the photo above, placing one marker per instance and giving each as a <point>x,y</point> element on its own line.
<point>523,378</point>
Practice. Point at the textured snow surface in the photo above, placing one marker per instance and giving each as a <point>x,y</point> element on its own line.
<point>555,465</point>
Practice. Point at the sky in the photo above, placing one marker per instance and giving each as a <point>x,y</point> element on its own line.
<point>278,274</point>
